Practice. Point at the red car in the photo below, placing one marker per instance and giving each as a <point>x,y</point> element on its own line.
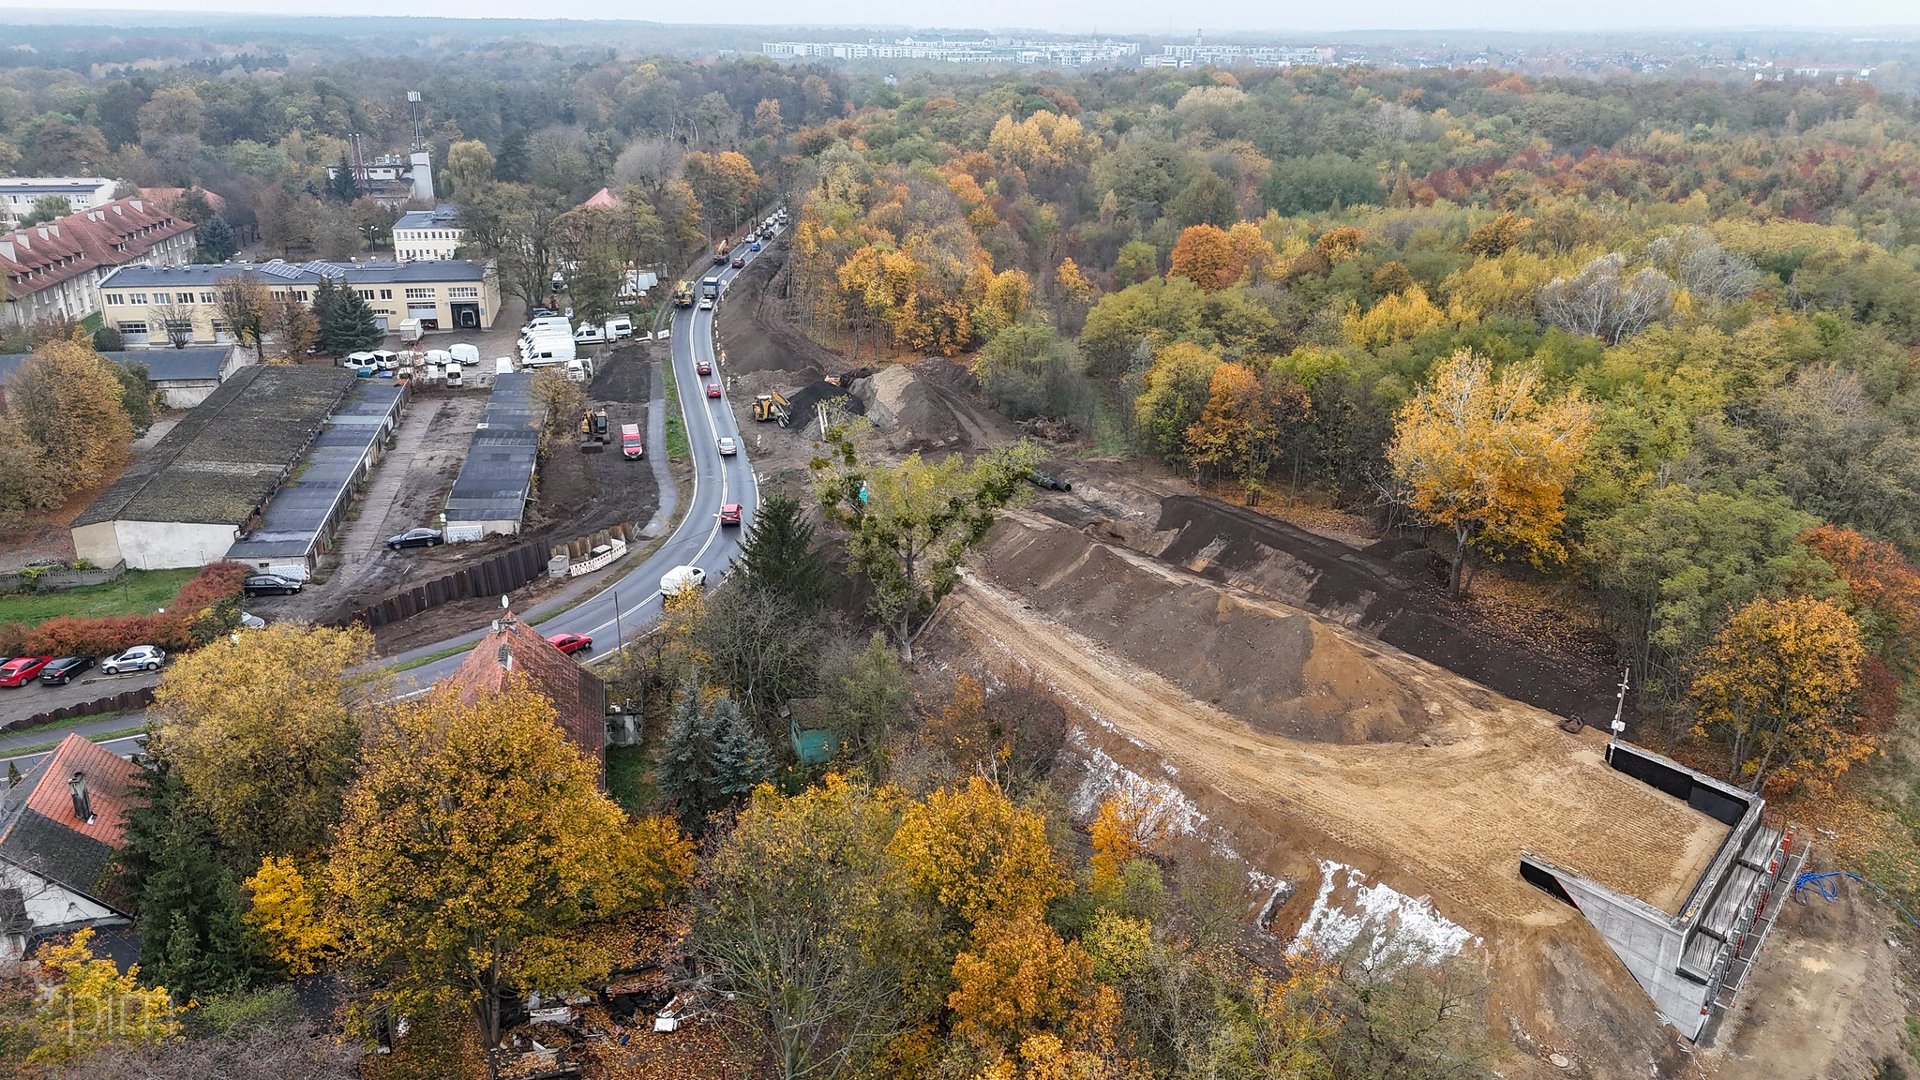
<point>713,389</point>
<point>730,513</point>
<point>705,368</point>
<point>22,670</point>
<point>571,643</point>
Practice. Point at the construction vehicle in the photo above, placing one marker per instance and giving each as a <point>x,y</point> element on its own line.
<point>772,407</point>
<point>683,294</point>
<point>595,433</point>
<point>720,251</point>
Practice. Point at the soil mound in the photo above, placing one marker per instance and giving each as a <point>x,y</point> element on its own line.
<point>754,330</point>
<point>1281,670</point>
<point>929,405</point>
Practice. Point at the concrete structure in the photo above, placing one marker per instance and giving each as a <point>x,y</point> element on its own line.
<point>299,523</point>
<point>1200,54</point>
<point>19,193</point>
<point>428,234</point>
<point>59,830</point>
<point>208,481</point>
<point>182,377</point>
<point>53,270</point>
<point>512,649</point>
<point>1691,961</point>
<point>451,294</point>
<point>490,494</point>
<point>394,180</point>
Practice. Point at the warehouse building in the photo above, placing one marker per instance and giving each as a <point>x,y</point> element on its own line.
<point>490,494</point>
<point>208,481</point>
<point>182,378</point>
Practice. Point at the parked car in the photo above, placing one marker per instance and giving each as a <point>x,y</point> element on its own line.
<point>706,303</point>
<point>62,671</point>
<point>729,513</point>
<point>146,657</point>
<point>755,246</point>
<point>271,585</point>
<point>713,389</point>
<point>704,367</point>
<point>415,538</point>
<point>250,621</point>
<point>728,446</point>
<point>539,313</point>
<point>571,643</point>
<point>682,578</point>
<point>22,670</point>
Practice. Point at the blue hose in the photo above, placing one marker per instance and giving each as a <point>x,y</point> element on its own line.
<point>1826,885</point>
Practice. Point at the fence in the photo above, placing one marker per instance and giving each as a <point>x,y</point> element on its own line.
<point>493,576</point>
<point>54,579</point>
<point>125,701</point>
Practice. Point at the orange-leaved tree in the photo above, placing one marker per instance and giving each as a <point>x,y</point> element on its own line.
<point>1882,585</point>
<point>1115,835</point>
<point>1236,433</point>
<point>1205,255</point>
<point>973,854</point>
<point>1489,458</point>
<point>1018,976</point>
<point>1777,685</point>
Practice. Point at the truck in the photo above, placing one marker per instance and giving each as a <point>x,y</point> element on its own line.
<point>580,370</point>
<point>720,252</point>
<point>683,294</point>
<point>710,287</point>
<point>410,331</point>
<point>594,434</point>
<point>772,406</point>
<point>631,447</point>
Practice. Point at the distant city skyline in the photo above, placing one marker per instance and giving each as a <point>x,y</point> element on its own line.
<point>1128,16</point>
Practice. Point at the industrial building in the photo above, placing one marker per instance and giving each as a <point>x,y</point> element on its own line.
<point>490,494</point>
<point>428,234</point>
<point>208,481</point>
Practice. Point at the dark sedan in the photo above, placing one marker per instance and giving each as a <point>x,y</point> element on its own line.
<point>62,671</point>
<point>416,538</point>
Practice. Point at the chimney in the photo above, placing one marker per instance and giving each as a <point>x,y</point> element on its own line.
<point>506,656</point>
<point>82,806</point>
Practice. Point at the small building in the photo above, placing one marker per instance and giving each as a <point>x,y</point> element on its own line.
<point>60,828</point>
<point>150,304</point>
<point>19,193</point>
<point>428,234</point>
<point>579,697</point>
<point>182,377</point>
<point>53,270</point>
<point>208,481</point>
<point>489,497</point>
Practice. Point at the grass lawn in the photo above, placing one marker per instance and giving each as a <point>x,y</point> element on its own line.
<point>630,779</point>
<point>676,429</point>
<point>135,591</point>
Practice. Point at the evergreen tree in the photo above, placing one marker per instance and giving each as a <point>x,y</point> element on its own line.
<point>216,241</point>
<point>325,299</point>
<point>193,939</point>
<point>342,185</point>
<point>742,759</point>
<point>777,555</point>
<point>689,761</point>
<point>348,324</point>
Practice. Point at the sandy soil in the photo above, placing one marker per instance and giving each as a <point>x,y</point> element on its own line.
<point>1448,816</point>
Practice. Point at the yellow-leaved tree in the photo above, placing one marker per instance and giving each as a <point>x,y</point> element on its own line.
<point>475,843</point>
<point>286,912</point>
<point>1115,835</point>
<point>262,732</point>
<point>89,1004</point>
<point>1017,977</point>
<point>1777,685</point>
<point>973,854</point>
<point>1489,457</point>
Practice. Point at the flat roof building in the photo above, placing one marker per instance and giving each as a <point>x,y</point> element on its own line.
<point>490,494</point>
<point>182,377</point>
<point>19,193</point>
<point>428,234</point>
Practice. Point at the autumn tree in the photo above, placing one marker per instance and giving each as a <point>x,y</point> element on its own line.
<point>90,1004</point>
<point>724,183</point>
<point>973,855</point>
<point>1777,687</point>
<point>1493,239</point>
<point>909,525</point>
<point>801,924</point>
<point>67,402</point>
<point>292,324</point>
<point>243,302</point>
<point>473,842</point>
<point>1115,838</point>
<point>1174,394</point>
<point>469,168</point>
<point>286,910</point>
<point>1237,433</point>
<point>261,730</point>
<point>1882,586</point>
<point>760,647</point>
<point>1009,733</point>
<point>1488,458</point>
<point>1205,255</point>
<point>1016,978</point>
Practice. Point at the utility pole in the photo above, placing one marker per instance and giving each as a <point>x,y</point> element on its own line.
<point>1619,724</point>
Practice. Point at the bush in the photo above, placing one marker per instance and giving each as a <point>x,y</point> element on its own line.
<point>206,608</point>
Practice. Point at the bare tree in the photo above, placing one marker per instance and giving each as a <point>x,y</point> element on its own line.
<point>173,319</point>
<point>286,1052</point>
<point>1605,301</point>
<point>1710,273</point>
<point>243,302</point>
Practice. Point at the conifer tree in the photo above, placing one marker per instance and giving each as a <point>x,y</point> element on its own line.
<point>348,326</point>
<point>777,554</point>
<point>689,760</point>
<point>742,757</point>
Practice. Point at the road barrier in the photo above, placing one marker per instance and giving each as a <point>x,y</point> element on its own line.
<point>125,701</point>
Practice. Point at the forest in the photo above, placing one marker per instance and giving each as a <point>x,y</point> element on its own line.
<point>1645,345</point>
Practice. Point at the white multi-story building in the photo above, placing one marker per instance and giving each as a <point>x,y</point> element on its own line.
<point>53,270</point>
<point>983,51</point>
<point>1200,54</point>
<point>428,234</point>
<point>19,193</point>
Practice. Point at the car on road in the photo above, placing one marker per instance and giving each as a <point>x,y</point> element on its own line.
<point>416,538</point>
<point>143,657</point>
<point>682,578</point>
<point>704,368</point>
<point>755,246</point>
<point>22,670</point>
<point>729,446</point>
<point>62,671</point>
<point>713,389</point>
<point>739,261</point>
<point>706,303</point>
<point>271,585</point>
<point>571,643</point>
<point>729,513</point>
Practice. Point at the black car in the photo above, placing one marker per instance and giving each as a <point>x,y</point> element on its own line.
<point>63,670</point>
<point>271,585</point>
<point>416,538</point>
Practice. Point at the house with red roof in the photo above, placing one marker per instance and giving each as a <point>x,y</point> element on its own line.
<point>60,828</point>
<point>53,270</point>
<point>512,647</point>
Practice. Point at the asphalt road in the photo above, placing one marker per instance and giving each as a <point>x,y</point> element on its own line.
<point>699,540</point>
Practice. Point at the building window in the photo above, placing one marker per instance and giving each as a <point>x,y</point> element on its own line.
<point>464,292</point>
<point>185,298</point>
<point>113,298</point>
<point>208,298</point>
<point>386,294</point>
<point>138,299</point>
<point>365,294</point>
<point>300,294</point>
<point>428,293</point>
<point>134,328</point>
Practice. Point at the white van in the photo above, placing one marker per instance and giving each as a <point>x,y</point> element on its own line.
<point>386,359</point>
<point>466,354</point>
<point>589,335</point>
<point>619,328</point>
<point>358,360</point>
<point>546,351</point>
<point>580,370</point>
<point>454,377</point>
<point>681,578</point>
<point>503,366</point>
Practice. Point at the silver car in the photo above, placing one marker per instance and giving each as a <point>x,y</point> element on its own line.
<point>138,658</point>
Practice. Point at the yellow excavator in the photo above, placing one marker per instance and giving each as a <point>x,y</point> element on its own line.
<point>773,407</point>
<point>594,433</point>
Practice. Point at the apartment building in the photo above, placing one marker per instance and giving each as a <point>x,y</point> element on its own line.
<point>19,193</point>
<point>53,270</point>
<point>428,234</point>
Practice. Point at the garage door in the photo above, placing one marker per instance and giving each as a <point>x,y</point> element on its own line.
<point>424,311</point>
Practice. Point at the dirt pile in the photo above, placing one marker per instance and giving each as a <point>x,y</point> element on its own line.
<point>754,333</point>
<point>1279,669</point>
<point>929,405</point>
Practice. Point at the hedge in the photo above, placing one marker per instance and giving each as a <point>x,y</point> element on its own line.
<point>206,608</point>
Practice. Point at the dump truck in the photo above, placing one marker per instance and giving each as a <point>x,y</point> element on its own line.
<point>720,252</point>
<point>772,407</point>
<point>594,431</point>
<point>683,294</point>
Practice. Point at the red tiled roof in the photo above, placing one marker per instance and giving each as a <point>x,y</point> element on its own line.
<point>110,779</point>
<point>579,697</point>
<point>41,831</point>
<point>163,197</point>
<point>604,199</point>
<point>112,234</point>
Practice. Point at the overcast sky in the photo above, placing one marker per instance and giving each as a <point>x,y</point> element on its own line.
<point>1127,15</point>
